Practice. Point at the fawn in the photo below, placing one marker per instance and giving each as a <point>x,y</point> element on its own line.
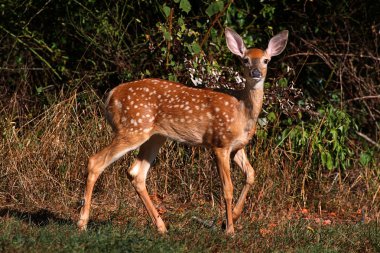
<point>144,113</point>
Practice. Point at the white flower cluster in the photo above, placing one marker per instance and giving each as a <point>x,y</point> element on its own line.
<point>211,75</point>
<point>290,99</point>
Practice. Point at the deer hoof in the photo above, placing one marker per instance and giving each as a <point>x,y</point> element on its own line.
<point>230,232</point>
<point>82,225</point>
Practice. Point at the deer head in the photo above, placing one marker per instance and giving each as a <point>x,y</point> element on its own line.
<point>255,61</point>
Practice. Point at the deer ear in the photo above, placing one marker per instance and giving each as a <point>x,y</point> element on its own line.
<point>277,44</point>
<point>235,42</point>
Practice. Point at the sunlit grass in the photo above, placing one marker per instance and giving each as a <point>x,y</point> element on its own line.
<point>19,235</point>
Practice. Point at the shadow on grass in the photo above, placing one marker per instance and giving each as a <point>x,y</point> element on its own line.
<point>42,217</point>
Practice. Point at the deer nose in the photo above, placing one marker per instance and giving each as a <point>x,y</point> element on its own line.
<point>255,73</point>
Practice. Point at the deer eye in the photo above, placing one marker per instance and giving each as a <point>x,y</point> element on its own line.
<point>266,61</point>
<point>246,61</point>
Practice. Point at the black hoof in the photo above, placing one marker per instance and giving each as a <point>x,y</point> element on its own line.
<point>81,203</point>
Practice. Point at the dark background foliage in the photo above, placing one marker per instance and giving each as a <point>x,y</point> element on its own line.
<point>318,135</point>
<point>332,58</point>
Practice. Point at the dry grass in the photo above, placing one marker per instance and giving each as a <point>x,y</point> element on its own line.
<point>43,167</point>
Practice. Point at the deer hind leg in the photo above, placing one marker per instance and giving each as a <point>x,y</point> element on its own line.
<point>223,161</point>
<point>241,160</point>
<point>138,173</point>
<point>98,162</point>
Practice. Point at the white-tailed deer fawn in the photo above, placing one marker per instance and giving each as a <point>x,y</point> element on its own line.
<point>145,113</point>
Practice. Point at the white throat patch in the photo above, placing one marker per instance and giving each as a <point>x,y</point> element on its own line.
<point>259,84</point>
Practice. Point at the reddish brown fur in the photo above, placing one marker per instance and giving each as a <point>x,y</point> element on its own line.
<point>144,113</point>
<point>255,53</point>
<point>168,108</point>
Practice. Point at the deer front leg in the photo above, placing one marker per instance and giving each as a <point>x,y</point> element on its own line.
<point>223,162</point>
<point>241,160</point>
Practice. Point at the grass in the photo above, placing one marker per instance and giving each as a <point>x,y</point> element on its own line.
<point>21,234</point>
<point>42,182</point>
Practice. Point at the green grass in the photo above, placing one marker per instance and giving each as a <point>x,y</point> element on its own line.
<point>23,235</point>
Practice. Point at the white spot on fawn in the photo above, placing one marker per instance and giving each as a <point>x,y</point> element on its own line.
<point>118,104</point>
<point>147,130</point>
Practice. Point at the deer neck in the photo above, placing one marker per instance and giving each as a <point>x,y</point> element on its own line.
<point>252,100</point>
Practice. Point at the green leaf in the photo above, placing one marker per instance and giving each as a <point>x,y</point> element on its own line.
<point>323,158</point>
<point>195,48</point>
<point>214,8</point>
<point>166,10</point>
<point>271,116</point>
<point>181,23</point>
<point>166,33</point>
<point>365,158</point>
<point>172,77</point>
<point>329,162</point>
<point>267,11</point>
<point>283,82</point>
<point>185,5</point>
<point>39,90</point>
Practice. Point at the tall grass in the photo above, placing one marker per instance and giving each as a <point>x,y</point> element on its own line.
<point>44,157</point>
